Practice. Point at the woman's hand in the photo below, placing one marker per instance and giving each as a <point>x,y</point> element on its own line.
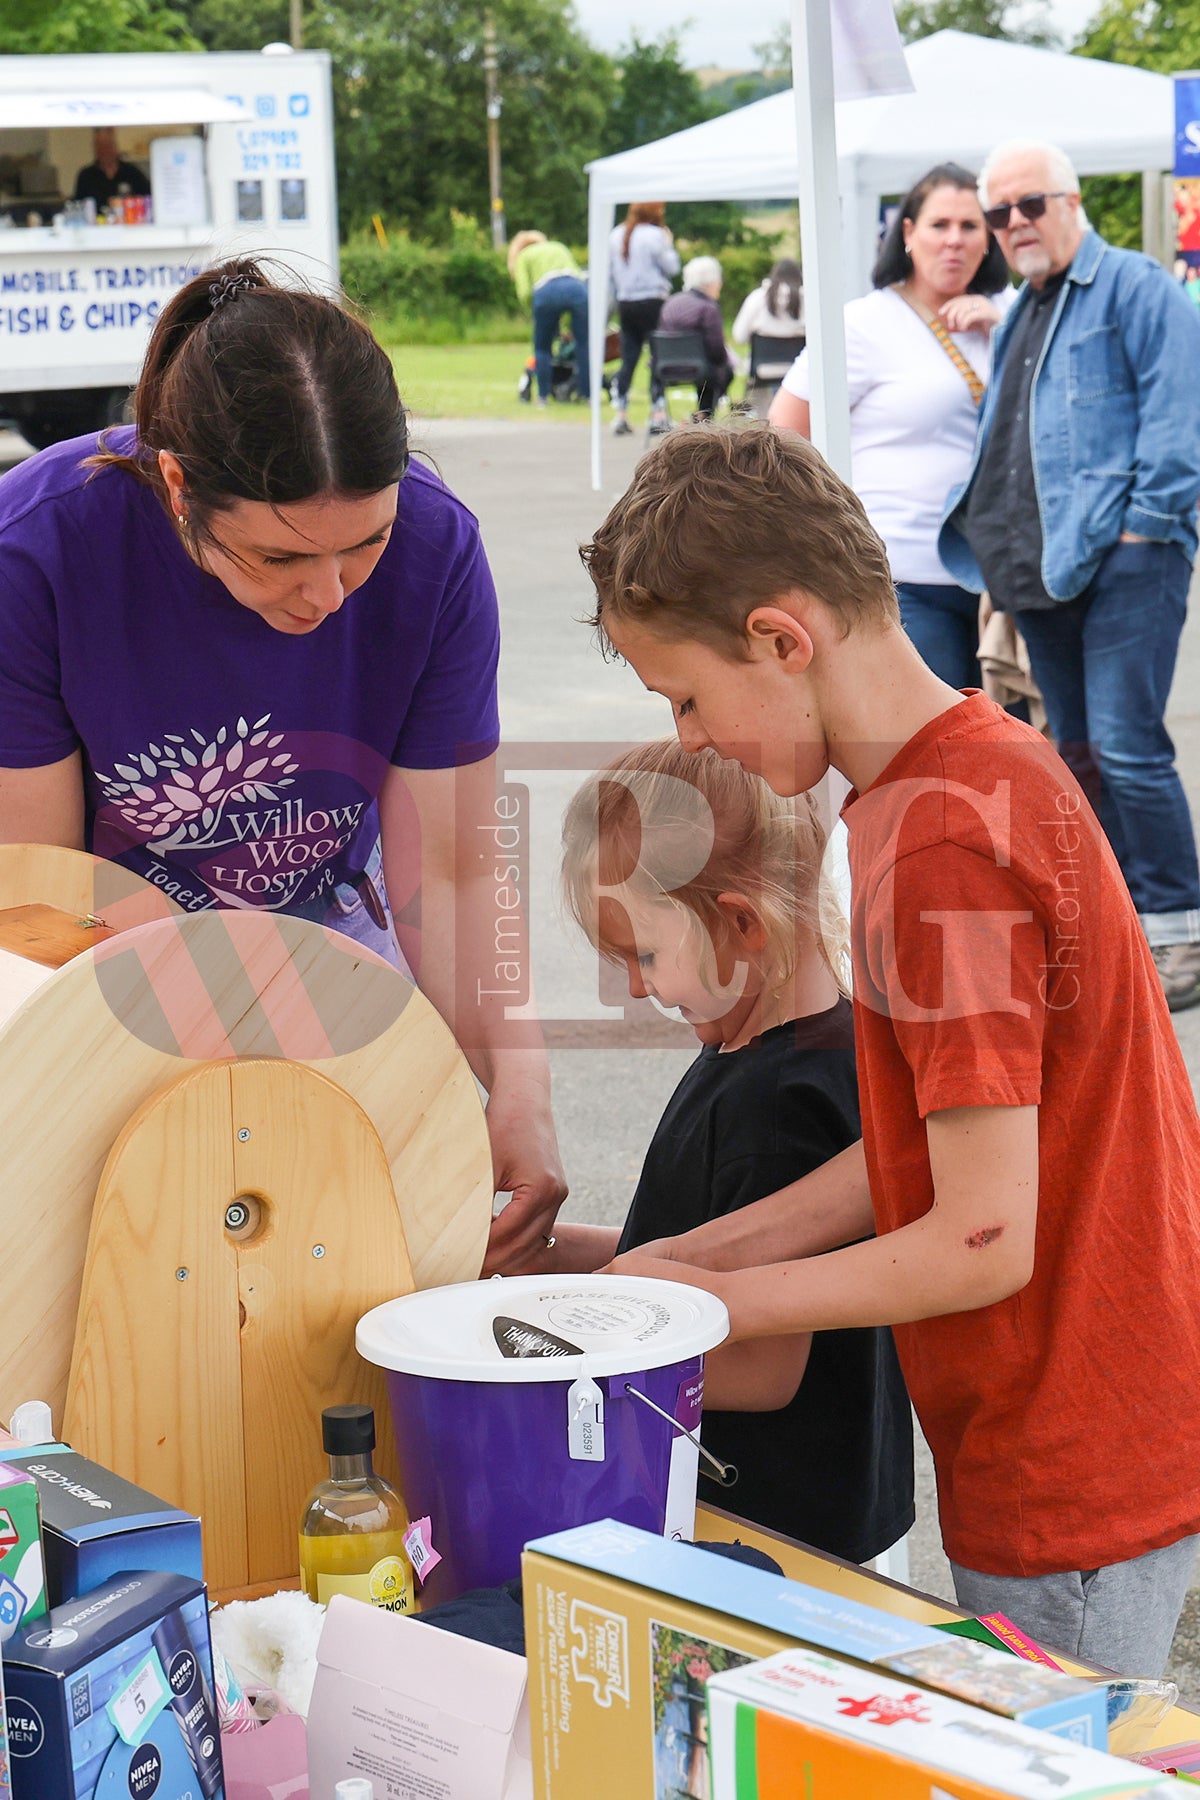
<point>970,312</point>
<point>525,1163</point>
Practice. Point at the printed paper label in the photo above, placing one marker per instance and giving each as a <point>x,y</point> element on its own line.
<point>418,1541</point>
<point>680,1520</point>
<point>386,1585</point>
<point>134,1709</point>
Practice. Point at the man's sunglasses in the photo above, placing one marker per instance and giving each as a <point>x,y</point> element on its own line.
<point>1031,207</point>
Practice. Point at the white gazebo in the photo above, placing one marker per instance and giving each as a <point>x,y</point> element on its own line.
<point>968,94</point>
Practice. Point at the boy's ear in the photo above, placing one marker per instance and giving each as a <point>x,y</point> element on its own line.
<point>775,630</point>
<point>742,918</point>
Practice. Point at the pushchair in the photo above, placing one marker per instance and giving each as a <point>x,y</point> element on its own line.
<point>562,371</point>
<point>563,385</point>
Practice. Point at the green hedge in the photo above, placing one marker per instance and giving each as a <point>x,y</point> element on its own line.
<point>423,278</point>
<point>415,282</point>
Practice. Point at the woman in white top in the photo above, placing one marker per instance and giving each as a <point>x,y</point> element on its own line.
<point>775,308</point>
<point>642,260</point>
<point>917,357</point>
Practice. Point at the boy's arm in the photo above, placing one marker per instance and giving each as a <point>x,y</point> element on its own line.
<point>821,1211</point>
<point>973,1248</point>
<point>756,1375</point>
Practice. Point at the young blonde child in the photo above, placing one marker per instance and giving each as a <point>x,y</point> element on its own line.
<point>707,889</point>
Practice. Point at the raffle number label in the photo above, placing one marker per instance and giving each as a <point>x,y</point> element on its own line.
<point>418,1542</point>
<point>134,1710</point>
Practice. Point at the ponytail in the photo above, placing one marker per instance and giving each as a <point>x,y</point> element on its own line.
<point>264,393</point>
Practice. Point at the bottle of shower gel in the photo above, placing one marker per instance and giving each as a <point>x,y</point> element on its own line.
<point>354,1524</point>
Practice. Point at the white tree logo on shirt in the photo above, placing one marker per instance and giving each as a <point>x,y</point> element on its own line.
<point>177,793</point>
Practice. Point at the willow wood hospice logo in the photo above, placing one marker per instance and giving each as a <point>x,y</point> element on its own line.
<point>176,795</point>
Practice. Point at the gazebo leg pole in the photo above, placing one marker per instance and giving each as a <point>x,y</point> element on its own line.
<point>820,228</point>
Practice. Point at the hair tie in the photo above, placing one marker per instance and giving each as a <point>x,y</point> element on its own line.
<point>228,287</point>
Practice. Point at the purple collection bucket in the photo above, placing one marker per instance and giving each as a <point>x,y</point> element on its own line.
<point>528,1405</point>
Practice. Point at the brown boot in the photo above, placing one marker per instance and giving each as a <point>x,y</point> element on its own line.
<point>1178,968</point>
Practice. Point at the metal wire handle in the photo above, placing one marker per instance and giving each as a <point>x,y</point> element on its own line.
<point>726,1473</point>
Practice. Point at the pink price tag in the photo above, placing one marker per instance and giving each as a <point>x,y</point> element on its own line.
<point>418,1541</point>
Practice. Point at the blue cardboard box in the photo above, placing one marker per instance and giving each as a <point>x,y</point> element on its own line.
<point>95,1524</point>
<point>1070,1706</point>
<point>110,1697</point>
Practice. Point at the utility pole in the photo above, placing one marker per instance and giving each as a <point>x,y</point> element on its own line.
<point>296,24</point>
<point>494,103</point>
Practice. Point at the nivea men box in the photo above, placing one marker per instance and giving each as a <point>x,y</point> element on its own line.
<point>110,1697</point>
<point>94,1524</point>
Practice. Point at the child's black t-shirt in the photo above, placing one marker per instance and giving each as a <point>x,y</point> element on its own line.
<point>833,1467</point>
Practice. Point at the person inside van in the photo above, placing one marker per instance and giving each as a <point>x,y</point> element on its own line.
<point>108,175</point>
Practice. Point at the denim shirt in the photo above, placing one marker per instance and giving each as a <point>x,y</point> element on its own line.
<point>1113,419</point>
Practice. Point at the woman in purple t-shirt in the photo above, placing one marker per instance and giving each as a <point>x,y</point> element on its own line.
<point>248,649</point>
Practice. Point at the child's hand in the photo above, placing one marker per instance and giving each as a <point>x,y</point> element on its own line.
<point>663,1268</point>
<point>658,1249</point>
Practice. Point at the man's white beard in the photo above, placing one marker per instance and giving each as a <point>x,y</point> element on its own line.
<point>1031,260</point>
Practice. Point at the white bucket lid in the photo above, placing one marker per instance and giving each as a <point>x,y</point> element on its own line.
<point>620,1324</point>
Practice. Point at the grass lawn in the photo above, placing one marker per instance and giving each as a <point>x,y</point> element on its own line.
<point>479,381</point>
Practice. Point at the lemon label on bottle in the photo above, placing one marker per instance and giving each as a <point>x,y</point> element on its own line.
<point>390,1585</point>
<point>387,1584</point>
<point>358,1587</point>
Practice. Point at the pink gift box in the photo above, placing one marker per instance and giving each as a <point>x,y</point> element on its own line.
<point>268,1764</point>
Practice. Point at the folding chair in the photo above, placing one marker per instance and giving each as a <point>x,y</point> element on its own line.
<point>677,359</point>
<point>770,360</point>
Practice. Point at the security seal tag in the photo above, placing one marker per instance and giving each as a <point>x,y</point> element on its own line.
<point>585,1421</point>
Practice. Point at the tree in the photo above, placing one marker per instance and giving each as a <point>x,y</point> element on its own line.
<point>1022,21</point>
<point>775,52</point>
<point>66,27</point>
<point>654,95</point>
<point>409,104</point>
<point>1150,35</point>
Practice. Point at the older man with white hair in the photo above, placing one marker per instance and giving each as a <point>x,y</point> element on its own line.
<point>1079,517</point>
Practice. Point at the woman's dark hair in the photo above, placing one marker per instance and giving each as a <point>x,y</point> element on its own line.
<point>893,262</point>
<point>264,393</point>
<point>786,274</point>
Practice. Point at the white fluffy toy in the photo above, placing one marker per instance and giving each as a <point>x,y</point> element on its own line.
<point>272,1643</point>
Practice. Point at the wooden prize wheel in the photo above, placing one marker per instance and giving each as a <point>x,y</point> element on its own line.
<point>227,1135</point>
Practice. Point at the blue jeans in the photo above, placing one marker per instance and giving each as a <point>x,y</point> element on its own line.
<point>1104,663</point>
<point>943,622</point>
<point>562,293</point>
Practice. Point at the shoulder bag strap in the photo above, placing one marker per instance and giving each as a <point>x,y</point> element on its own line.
<point>948,345</point>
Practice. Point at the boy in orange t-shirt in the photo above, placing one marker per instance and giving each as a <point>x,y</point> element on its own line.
<point>1031,1150</point>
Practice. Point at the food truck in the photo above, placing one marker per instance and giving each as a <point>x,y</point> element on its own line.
<point>236,152</point>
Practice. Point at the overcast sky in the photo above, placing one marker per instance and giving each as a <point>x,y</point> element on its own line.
<point>724,33</point>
